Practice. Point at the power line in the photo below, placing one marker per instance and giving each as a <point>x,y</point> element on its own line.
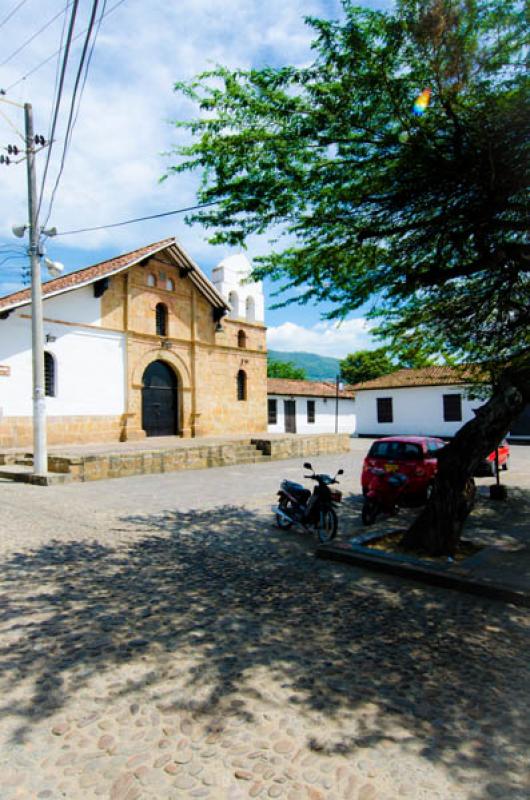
<point>34,36</point>
<point>83,67</point>
<point>49,58</point>
<point>69,40</point>
<point>12,13</point>
<point>139,219</point>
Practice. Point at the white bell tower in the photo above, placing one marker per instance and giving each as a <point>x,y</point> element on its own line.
<point>245,299</point>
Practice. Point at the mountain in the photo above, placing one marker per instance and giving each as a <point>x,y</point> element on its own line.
<point>317,368</point>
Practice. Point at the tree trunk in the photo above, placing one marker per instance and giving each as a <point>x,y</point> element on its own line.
<point>438,527</point>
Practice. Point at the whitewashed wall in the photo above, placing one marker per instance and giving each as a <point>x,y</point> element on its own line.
<point>417,411</point>
<point>78,305</point>
<point>90,369</point>
<point>324,415</point>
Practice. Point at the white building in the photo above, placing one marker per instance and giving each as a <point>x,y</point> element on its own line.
<point>309,407</point>
<point>433,401</point>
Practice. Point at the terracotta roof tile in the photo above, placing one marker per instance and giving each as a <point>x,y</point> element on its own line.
<point>86,275</point>
<point>426,376</point>
<point>306,388</point>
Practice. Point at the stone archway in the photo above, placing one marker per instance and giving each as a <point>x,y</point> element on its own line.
<point>139,360</point>
<point>160,400</point>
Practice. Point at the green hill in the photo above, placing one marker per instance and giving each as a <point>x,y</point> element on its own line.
<point>317,368</point>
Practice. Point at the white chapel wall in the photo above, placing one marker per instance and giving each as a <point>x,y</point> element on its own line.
<point>78,305</point>
<point>90,369</point>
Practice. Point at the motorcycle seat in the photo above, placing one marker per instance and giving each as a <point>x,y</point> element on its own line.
<point>296,489</point>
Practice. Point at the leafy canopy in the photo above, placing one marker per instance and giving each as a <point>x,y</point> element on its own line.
<point>285,369</point>
<point>424,217</point>
<point>364,365</point>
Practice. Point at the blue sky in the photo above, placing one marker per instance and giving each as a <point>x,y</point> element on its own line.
<point>116,157</point>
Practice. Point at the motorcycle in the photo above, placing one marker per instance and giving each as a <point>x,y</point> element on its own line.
<point>383,494</point>
<point>298,506</point>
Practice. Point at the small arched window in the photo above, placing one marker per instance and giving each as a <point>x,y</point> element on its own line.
<point>170,285</point>
<point>49,375</point>
<point>241,339</point>
<point>233,302</point>
<point>250,309</point>
<point>151,279</point>
<point>161,319</point>
<point>241,385</point>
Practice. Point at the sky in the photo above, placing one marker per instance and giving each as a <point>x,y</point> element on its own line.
<point>123,134</point>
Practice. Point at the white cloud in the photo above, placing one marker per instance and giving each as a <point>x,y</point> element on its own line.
<point>115,162</point>
<point>335,339</point>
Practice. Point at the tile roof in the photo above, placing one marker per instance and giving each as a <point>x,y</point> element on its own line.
<point>306,388</point>
<point>88,275</point>
<point>426,376</point>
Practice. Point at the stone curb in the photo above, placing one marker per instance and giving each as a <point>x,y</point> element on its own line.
<point>353,554</point>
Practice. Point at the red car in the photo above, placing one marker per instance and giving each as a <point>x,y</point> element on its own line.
<point>488,466</point>
<point>413,456</point>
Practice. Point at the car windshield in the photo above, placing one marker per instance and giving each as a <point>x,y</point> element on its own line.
<point>399,450</point>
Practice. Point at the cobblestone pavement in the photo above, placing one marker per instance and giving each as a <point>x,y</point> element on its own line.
<point>149,652</point>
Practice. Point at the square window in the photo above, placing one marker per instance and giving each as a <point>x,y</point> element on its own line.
<point>384,409</point>
<point>452,407</point>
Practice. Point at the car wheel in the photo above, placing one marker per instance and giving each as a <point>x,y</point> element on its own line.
<point>505,465</point>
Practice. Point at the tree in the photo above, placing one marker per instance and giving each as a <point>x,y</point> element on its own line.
<point>425,217</point>
<point>285,369</point>
<point>363,365</point>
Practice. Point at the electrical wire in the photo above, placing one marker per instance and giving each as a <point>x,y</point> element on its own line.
<point>138,219</point>
<point>12,125</point>
<point>81,76</point>
<point>34,36</point>
<point>12,13</point>
<point>67,46</point>
<point>57,72</point>
<point>56,52</point>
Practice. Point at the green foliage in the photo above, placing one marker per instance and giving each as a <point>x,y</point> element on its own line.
<point>424,217</point>
<point>316,367</point>
<point>364,365</point>
<point>285,369</point>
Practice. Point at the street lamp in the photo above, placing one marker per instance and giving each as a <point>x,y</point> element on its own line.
<point>339,386</point>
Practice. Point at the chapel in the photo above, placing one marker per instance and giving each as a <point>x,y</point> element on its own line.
<point>140,345</point>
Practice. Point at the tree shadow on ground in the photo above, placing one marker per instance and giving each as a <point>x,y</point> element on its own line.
<point>205,603</point>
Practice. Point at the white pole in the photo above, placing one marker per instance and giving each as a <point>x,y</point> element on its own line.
<point>40,454</point>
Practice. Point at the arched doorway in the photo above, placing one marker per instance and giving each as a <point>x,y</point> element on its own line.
<point>159,400</point>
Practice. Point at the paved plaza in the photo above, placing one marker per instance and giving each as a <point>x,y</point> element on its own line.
<point>160,638</point>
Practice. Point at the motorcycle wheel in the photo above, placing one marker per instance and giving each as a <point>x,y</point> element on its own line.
<point>369,512</point>
<point>327,525</point>
<point>281,522</point>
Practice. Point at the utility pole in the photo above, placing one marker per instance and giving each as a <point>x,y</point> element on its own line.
<point>40,451</point>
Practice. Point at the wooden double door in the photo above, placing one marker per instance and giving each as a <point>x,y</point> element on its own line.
<point>160,409</point>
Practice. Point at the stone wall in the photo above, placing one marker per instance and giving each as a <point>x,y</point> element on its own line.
<point>18,431</point>
<point>298,446</point>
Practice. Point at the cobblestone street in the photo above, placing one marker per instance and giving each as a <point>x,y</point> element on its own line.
<point>162,639</point>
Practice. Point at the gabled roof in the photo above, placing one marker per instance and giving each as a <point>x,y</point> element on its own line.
<point>104,269</point>
<point>426,376</point>
<point>306,388</point>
